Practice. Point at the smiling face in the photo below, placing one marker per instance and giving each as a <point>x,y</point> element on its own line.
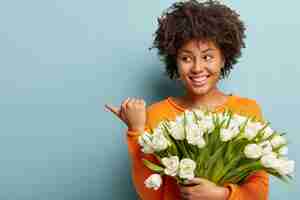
<point>199,66</point>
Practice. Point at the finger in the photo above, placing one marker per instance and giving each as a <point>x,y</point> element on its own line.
<point>185,190</point>
<point>201,181</point>
<point>185,196</point>
<point>195,181</point>
<point>114,110</point>
<point>136,101</point>
<point>129,103</point>
<point>142,102</point>
<point>123,109</point>
<point>124,104</point>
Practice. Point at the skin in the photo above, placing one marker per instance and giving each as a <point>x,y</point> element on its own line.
<point>132,112</point>
<point>203,189</point>
<point>197,58</point>
<point>194,58</point>
<point>201,58</point>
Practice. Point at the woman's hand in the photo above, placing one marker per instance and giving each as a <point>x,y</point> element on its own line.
<point>132,112</point>
<point>203,190</point>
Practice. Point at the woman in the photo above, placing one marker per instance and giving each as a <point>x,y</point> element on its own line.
<point>199,43</point>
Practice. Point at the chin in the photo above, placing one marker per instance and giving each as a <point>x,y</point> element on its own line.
<point>200,91</point>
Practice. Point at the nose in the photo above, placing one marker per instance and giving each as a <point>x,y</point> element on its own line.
<point>198,66</point>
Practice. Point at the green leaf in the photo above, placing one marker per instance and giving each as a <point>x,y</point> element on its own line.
<point>274,173</point>
<point>249,167</point>
<point>176,144</point>
<point>228,167</point>
<point>213,159</point>
<point>228,122</point>
<point>217,170</point>
<point>154,167</point>
<point>260,133</point>
<point>202,157</point>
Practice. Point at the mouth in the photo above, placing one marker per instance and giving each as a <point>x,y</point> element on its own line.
<point>198,81</point>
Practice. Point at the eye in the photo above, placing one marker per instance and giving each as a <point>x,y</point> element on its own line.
<point>207,57</point>
<point>186,59</point>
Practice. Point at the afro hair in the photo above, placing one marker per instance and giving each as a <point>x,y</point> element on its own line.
<point>207,20</point>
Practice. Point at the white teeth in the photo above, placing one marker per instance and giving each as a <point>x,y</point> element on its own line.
<point>199,79</point>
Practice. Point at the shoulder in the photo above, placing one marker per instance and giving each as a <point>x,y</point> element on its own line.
<point>158,105</point>
<point>158,111</point>
<point>246,102</point>
<point>247,106</point>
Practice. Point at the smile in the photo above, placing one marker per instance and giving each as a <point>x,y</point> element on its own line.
<point>199,81</point>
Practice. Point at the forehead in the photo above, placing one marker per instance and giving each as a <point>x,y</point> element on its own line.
<point>198,45</point>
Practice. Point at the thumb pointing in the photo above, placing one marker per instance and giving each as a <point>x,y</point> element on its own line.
<point>113,110</point>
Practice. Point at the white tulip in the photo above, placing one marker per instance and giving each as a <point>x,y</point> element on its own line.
<point>201,143</point>
<point>239,119</point>
<point>177,130</point>
<point>145,138</point>
<point>159,129</point>
<point>153,142</point>
<point>171,164</point>
<point>236,121</point>
<point>206,124</point>
<point>283,151</point>
<point>194,135</point>
<point>179,119</point>
<point>147,150</point>
<point>222,117</point>
<point>267,132</point>
<point>145,141</point>
<point>153,182</point>
<point>159,141</point>
<point>205,120</point>
<point>234,124</point>
<point>227,134</point>
<point>253,151</point>
<point>199,113</point>
<point>187,168</point>
<point>160,126</point>
<point>270,160</point>
<point>190,118</point>
<point>278,141</point>
<point>286,167</point>
<point>252,129</point>
<point>266,146</point>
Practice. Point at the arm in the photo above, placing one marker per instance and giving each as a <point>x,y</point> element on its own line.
<point>256,186</point>
<point>133,113</point>
<point>139,171</point>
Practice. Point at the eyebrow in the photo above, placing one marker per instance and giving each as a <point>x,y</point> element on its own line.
<point>188,51</point>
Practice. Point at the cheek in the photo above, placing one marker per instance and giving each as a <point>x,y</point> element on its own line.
<point>183,69</point>
<point>214,68</point>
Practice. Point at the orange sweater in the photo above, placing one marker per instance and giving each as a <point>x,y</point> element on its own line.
<point>256,187</point>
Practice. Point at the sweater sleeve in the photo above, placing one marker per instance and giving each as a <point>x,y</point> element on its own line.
<point>256,186</point>
<point>139,171</point>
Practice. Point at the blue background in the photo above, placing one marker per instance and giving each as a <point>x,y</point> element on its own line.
<point>61,61</point>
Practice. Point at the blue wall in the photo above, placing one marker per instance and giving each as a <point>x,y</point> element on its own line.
<point>61,61</point>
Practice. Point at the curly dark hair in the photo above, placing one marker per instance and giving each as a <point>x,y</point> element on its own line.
<point>209,21</point>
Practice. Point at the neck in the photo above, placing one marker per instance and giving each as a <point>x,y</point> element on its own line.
<point>211,99</point>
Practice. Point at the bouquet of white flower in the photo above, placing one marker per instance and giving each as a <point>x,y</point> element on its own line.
<point>221,147</point>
